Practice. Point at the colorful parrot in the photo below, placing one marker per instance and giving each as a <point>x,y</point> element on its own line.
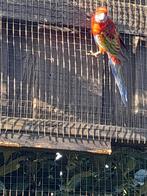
<point>108,41</point>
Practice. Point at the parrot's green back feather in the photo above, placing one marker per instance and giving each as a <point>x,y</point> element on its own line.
<point>111,45</point>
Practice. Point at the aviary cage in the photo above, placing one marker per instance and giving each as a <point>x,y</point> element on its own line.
<point>56,97</point>
<point>53,91</point>
<point>25,172</point>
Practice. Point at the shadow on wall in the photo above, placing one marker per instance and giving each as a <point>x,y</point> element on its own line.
<point>47,74</point>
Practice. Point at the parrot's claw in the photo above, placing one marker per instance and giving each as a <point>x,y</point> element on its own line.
<point>95,54</point>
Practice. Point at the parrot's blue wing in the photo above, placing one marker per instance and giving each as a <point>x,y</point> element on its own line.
<point>117,73</point>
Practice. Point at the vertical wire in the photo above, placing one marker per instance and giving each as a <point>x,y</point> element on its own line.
<point>39,70</point>
<point>130,56</point>
<point>35,176</point>
<point>55,181</point>
<point>25,65</point>
<point>122,168</point>
<point>10,175</point>
<point>134,163</point>
<point>98,76</point>
<point>41,180</point>
<point>104,176</point>
<point>139,167</point>
<point>81,69</point>
<point>124,40</point>
<point>109,110</point>
<point>57,52</point>
<point>75,74</point>
<point>145,60</point>
<point>63,74</point>
<point>1,69</point>
<point>118,108</point>
<point>115,88</point>
<point>93,184</point>
<point>27,82</point>
<point>122,108</point>
<point>111,178</point>
<point>96,176</point>
<point>14,63</point>
<point>45,62</point>
<point>51,82</point>
<point>86,183</point>
<point>75,180</point>
<point>67,63</point>
<point>23,178</point>
<point>17,181</point>
<point>118,120</point>
<point>131,123</point>
<point>70,73</point>
<point>131,37</point>
<point>94,107</point>
<point>4,176</point>
<point>141,54</point>
<point>87,76</point>
<point>135,49</point>
<point>48,170</point>
<point>110,87</point>
<point>135,25</point>
<point>80,193</point>
<point>117,185</point>
<point>21,63</point>
<point>61,174</point>
<point>30,179</point>
<point>8,79</point>
<point>100,79</point>
<point>81,108</point>
<point>34,97</point>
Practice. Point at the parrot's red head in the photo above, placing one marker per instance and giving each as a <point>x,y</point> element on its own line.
<point>101,14</point>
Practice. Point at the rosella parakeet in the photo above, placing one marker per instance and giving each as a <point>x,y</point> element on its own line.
<point>108,41</point>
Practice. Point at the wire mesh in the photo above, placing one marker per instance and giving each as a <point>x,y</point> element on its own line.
<point>30,173</point>
<point>48,82</point>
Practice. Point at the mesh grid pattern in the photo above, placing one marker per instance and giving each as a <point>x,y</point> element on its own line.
<point>31,173</point>
<point>47,79</point>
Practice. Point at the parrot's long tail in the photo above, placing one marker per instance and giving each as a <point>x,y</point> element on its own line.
<point>118,75</point>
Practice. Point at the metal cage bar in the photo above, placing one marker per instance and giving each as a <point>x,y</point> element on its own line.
<point>50,86</point>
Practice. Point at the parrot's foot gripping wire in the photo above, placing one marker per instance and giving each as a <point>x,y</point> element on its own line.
<point>95,54</point>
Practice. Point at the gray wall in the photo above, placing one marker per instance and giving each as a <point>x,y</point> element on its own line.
<point>46,74</point>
